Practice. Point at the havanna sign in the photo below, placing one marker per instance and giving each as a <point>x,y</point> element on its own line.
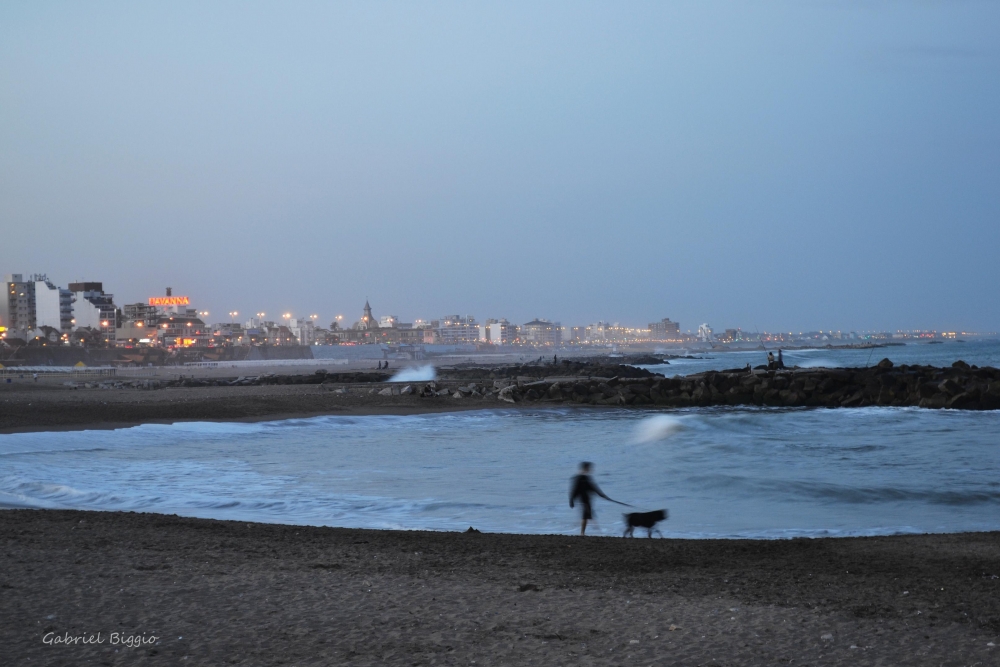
<point>169,301</point>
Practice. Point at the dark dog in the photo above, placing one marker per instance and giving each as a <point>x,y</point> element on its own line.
<point>647,520</point>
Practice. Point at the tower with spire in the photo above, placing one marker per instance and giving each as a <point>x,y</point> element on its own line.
<point>367,321</point>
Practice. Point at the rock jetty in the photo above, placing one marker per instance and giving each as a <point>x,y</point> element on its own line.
<point>959,386</point>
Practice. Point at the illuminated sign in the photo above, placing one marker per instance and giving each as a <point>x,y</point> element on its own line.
<point>169,301</point>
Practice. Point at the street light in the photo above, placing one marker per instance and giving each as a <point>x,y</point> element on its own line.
<point>232,316</point>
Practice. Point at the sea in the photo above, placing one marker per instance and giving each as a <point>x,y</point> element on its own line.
<point>721,472</point>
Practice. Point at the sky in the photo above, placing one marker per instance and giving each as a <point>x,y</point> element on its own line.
<point>774,165</point>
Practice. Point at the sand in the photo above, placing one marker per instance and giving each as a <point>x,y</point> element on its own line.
<point>216,593</point>
<point>29,407</point>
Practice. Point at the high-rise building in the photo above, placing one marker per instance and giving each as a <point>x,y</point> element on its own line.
<point>53,305</point>
<point>498,332</point>
<point>542,332</point>
<point>453,329</point>
<point>95,309</point>
<point>607,332</point>
<point>665,330</point>
<point>17,307</point>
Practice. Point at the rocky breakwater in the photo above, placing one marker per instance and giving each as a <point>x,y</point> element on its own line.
<point>957,387</point>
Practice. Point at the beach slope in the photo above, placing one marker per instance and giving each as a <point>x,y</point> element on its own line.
<point>222,592</point>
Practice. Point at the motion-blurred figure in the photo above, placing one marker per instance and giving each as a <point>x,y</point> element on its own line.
<point>583,487</point>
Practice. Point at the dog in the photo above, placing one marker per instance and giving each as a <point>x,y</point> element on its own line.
<point>647,520</point>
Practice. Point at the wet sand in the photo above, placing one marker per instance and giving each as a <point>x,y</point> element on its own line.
<point>42,407</point>
<point>216,592</point>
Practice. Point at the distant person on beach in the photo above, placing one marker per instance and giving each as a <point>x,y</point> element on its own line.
<point>583,487</point>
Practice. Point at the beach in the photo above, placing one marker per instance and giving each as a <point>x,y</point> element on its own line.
<point>223,592</point>
<point>239,592</point>
<point>28,407</point>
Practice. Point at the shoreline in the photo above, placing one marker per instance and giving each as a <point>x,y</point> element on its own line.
<point>53,408</point>
<point>394,411</point>
<point>27,407</point>
<point>230,591</point>
<point>7,506</point>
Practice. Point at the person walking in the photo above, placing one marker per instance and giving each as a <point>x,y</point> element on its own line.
<point>582,488</point>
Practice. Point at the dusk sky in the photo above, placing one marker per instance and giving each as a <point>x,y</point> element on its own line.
<point>781,166</point>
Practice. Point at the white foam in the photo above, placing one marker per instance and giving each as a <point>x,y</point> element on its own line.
<point>415,374</point>
<point>658,427</point>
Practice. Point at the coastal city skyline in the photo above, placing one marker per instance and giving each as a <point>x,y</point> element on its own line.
<point>37,311</point>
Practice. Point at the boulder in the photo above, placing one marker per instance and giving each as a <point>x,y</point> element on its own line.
<point>508,394</point>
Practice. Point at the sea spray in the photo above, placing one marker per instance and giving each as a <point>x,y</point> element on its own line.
<point>658,427</point>
<point>415,374</point>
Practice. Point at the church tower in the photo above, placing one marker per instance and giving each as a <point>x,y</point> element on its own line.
<point>367,320</point>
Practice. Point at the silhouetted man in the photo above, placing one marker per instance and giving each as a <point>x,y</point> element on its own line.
<point>583,487</point>
<point>781,360</point>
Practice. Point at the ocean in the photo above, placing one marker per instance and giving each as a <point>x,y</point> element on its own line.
<point>980,353</point>
<point>721,472</point>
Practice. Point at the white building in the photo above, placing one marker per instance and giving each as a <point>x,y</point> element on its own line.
<point>705,334</point>
<point>498,332</point>
<point>53,305</point>
<point>92,308</point>
<point>303,330</point>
